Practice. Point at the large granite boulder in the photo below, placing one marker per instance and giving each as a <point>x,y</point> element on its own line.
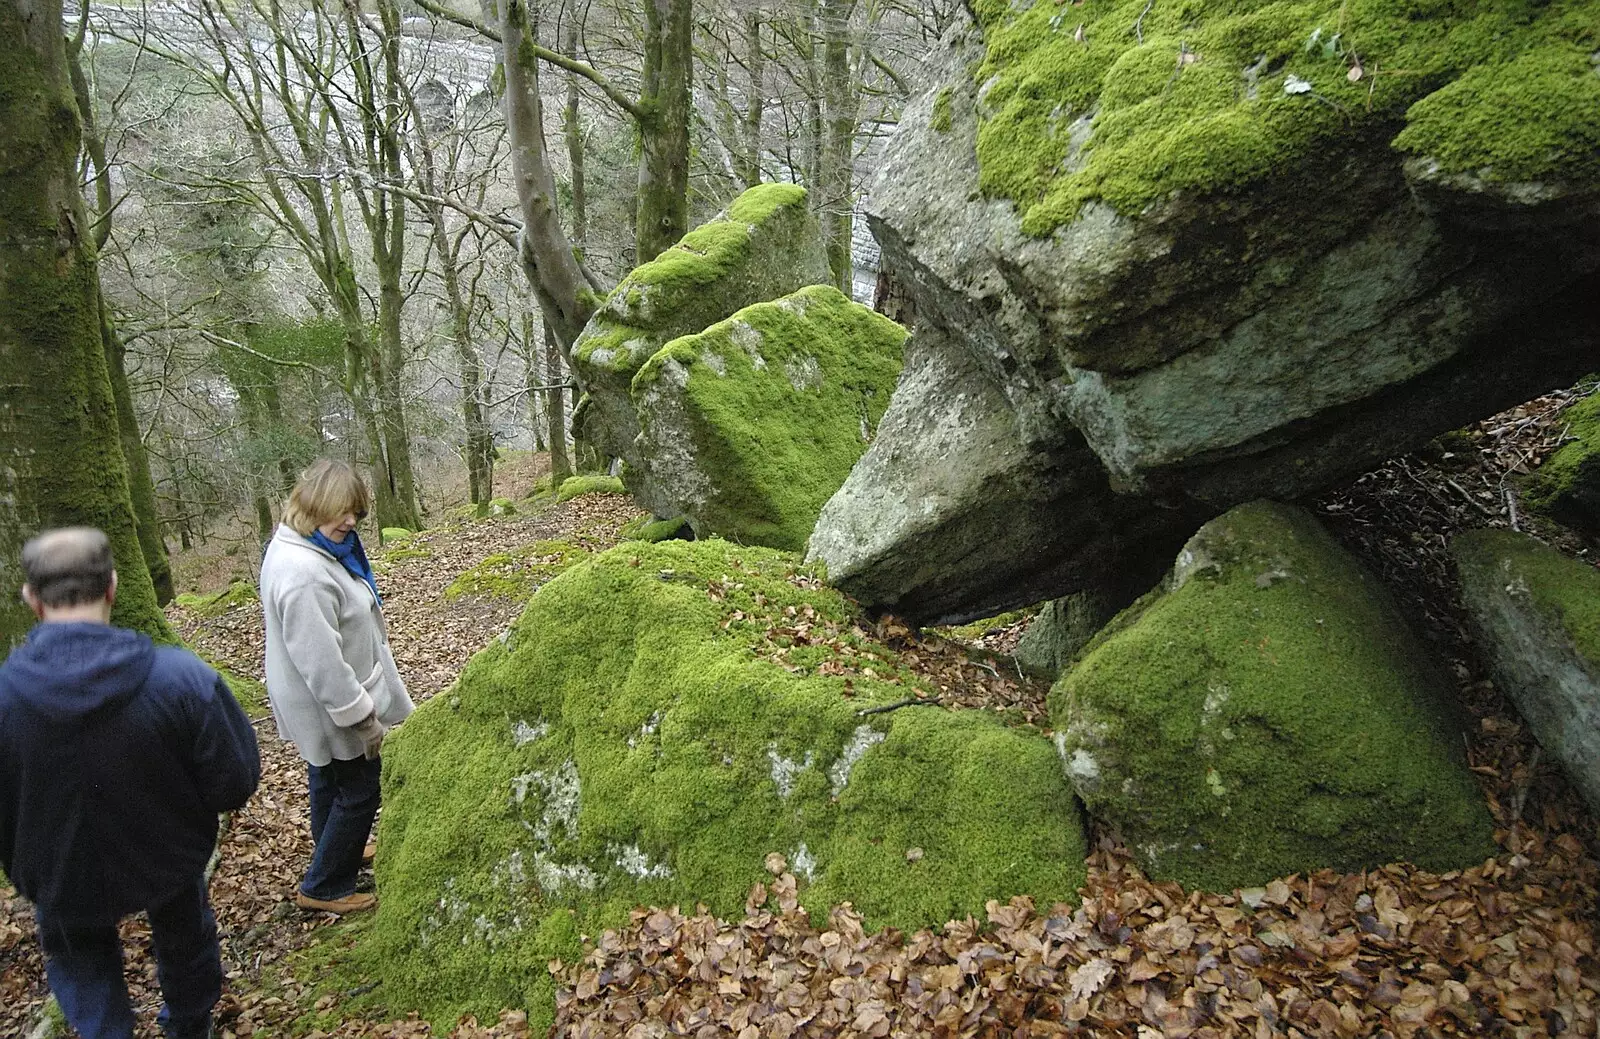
<point>1216,252</point>
<point>1567,486</point>
<point>1266,712</point>
<point>644,736</point>
<point>765,245</point>
<point>1536,613</point>
<point>747,428</point>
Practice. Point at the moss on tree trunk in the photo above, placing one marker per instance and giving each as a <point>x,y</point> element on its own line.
<point>61,460</point>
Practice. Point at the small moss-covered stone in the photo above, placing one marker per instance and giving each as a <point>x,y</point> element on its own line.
<point>573,486</point>
<point>646,528</point>
<point>765,245</point>
<point>1567,486</point>
<point>1536,614</point>
<point>623,745</point>
<point>1269,713</point>
<point>749,427</point>
<point>1127,102</point>
<point>392,534</point>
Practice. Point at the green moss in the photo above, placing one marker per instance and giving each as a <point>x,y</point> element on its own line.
<point>251,694</point>
<point>940,117</point>
<point>515,575</point>
<point>1077,107</point>
<point>391,534</point>
<point>1269,715</point>
<point>502,507</point>
<point>625,745</point>
<point>1565,590</point>
<point>239,593</point>
<point>1567,485</point>
<point>979,628</point>
<point>777,403</point>
<point>573,486</point>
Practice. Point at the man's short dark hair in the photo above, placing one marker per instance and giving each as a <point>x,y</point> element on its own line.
<point>69,567</point>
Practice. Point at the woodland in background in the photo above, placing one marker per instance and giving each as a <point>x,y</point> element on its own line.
<point>374,231</point>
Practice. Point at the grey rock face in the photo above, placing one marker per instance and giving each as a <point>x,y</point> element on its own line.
<point>1063,627</point>
<point>1537,617</point>
<point>1263,341</point>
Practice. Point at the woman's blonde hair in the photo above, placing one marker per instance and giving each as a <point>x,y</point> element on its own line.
<point>325,492</point>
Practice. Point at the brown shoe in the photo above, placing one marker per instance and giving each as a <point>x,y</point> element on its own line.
<point>355,903</point>
<point>369,853</point>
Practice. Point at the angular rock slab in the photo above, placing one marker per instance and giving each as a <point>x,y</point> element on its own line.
<point>1536,614</point>
<point>766,244</point>
<point>628,743</point>
<point>1267,712</point>
<point>952,514</point>
<point>1212,346</point>
<point>1567,486</point>
<point>749,427</point>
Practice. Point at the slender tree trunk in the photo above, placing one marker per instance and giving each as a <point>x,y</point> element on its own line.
<point>548,260</point>
<point>749,161</point>
<point>141,487</point>
<point>556,410</point>
<point>58,427</point>
<point>663,203</point>
<point>572,130</point>
<point>836,161</point>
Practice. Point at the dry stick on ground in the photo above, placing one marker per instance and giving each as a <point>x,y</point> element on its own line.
<point>915,701</point>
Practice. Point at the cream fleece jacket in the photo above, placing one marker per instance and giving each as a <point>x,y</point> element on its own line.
<point>328,658</point>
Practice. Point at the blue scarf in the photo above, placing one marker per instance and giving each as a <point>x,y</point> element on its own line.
<point>350,554</point>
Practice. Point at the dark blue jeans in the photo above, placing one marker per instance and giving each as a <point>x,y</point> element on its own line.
<point>344,801</point>
<point>84,967</point>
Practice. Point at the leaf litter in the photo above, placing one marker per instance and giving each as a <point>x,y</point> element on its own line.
<point>1506,948</point>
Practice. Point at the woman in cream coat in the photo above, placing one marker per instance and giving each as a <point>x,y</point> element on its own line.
<point>330,675</point>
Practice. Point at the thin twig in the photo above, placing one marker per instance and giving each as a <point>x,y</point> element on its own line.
<point>1511,509</point>
<point>1138,25</point>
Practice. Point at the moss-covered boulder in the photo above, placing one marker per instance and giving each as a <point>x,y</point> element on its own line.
<point>629,743</point>
<point>1267,712</point>
<point>1567,486</point>
<point>765,245</point>
<point>1536,614</point>
<point>750,426</point>
<point>1229,249</point>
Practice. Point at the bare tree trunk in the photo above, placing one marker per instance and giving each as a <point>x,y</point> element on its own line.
<point>572,130</point>
<point>663,203</point>
<point>553,272</point>
<point>555,408</point>
<point>748,163</point>
<point>58,427</point>
<point>836,160</point>
<point>140,486</point>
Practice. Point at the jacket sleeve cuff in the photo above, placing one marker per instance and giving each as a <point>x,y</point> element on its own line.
<point>353,712</point>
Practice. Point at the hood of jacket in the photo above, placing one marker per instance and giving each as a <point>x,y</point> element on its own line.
<point>72,669</point>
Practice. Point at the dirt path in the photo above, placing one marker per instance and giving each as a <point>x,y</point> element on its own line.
<point>268,843</point>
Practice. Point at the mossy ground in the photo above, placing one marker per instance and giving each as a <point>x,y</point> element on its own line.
<point>1271,715</point>
<point>1565,590</point>
<point>628,744</point>
<point>780,401</point>
<point>574,486</point>
<point>239,593</point>
<point>516,575</point>
<point>1567,485</point>
<point>1197,95</point>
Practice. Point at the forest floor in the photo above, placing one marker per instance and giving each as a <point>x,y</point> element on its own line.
<point>1505,948</point>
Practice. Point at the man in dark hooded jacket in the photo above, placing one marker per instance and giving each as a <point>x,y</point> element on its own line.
<point>115,757</point>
